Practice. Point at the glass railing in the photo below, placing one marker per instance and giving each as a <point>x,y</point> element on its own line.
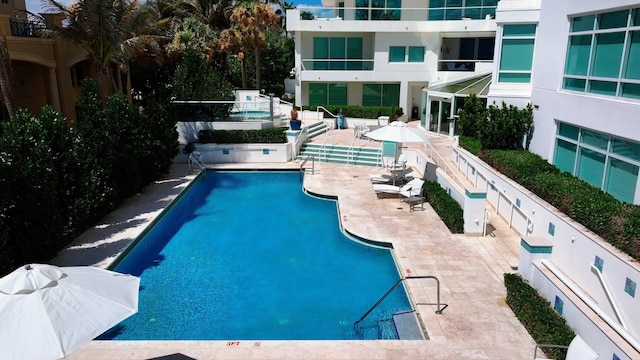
<point>390,13</point>
<point>337,64</point>
<point>456,65</point>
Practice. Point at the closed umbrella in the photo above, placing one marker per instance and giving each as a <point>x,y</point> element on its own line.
<point>46,312</point>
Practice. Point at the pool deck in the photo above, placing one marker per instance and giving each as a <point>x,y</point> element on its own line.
<point>477,324</point>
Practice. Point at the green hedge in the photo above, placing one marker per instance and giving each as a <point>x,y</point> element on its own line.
<point>445,206</point>
<point>363,112</point>
<point>544,324</point>
<point>275,135</point>
<point>616,222</point>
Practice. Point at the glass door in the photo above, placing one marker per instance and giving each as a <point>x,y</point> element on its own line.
<point>445,118</point>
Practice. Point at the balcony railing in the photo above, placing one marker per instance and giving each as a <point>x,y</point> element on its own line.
<point>456,65</point>
<point>25,28</point>
<point>391,14</point>
<point>337,64</point>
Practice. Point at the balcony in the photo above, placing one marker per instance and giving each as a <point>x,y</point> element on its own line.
<point>382,13</point>
<point>23,28</point>
<point>337,64</point>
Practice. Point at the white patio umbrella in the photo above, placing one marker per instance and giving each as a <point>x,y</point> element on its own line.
<point>46,312</point>
<point>397,131</point>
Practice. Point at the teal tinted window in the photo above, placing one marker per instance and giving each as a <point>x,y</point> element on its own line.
<point>354,51</point>
<point>568,131</point>
<point>613,19</point>
<point>591,167</point>
<point>635,20</point>
<point>519,30</point>
<point>317,94</point>
<point>603,87</point>
<point>337,46</point>
<point>416,53</point>
<point>621,180</point>
<point>582,23</point>
<point>396,53</point>
<point>578,55</point>
<point>320,51</point>
<point>390,95</point>
<point>574,84</point>
<point>517,54</point>
<point>514,77</point>
<point>607,54</point>
<point>371,94</point>
<point>626,148</point>
<point>632,61</point>
<point>631,91</point>
<point>595,139</point>
<point>337,94</point>
<point>565,156</point>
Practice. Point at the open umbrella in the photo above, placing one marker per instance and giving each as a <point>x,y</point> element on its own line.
<point>397,131</point>
<point>46,312</point>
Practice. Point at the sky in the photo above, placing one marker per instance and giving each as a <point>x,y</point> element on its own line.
<point>35,6</point>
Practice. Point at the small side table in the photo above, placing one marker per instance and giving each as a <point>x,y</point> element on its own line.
<point>414,201</point>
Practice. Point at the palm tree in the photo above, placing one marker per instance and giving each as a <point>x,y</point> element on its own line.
<point>247,35</point>
<point>111,31</point>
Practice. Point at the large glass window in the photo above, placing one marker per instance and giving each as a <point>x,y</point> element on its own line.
<point>458,9</point>
<point>328,94</point>
<point>604,161</point>
<point>416,53</point>
<point>380,94</point>
<point>378,9</point>
<point>340,53</point>
<point>396,53</point>
<point>603,53</point>
<point>516,57</point>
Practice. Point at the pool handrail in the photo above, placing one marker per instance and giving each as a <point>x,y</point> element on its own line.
<point>439,310</point>
<point>313,164</point>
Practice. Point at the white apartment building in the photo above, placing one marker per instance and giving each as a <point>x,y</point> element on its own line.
<point>576,61</point>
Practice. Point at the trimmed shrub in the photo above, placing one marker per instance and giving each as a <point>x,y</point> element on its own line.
<point>275,135</point>
<point>445,206</point>
<point>542,322</point>
<point>472,116</point>
<point>472,144</point>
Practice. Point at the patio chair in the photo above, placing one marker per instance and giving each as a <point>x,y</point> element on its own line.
<point>578,349</point>
<point>395,177</point>
<point>412,188</point>
<point>397,164</point>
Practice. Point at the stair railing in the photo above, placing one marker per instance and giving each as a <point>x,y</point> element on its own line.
<point>439,309</point>
<point>444,164</point>
<point>313,165</point>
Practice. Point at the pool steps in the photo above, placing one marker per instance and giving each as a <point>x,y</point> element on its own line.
<point>341,154</point>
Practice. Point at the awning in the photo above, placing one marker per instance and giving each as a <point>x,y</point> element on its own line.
<point>478,85</point>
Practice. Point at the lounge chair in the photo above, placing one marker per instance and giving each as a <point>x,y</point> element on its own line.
<point>578,349</point>
<point>395,177</point>
<point>412,188</point>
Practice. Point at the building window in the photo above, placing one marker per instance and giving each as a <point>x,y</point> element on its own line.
<point>380,94</point>
<point>458,9</point>
<point>606,162</point>
<point>516,56</point>
<point>396,54</point>
<point>337,53</point>
<point>603,53</point>
<point>328,94</point>
<point>416,54</point>
<point>378,9</point>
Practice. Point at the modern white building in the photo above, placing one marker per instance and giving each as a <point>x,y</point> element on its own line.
<point>576,61</point>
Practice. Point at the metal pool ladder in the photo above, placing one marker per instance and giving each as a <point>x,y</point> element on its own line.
<point>440,305</point>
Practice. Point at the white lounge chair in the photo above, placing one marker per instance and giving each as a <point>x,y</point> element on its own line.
<point>412,188</point>
<point>578,349</point>
<point>394,177</point>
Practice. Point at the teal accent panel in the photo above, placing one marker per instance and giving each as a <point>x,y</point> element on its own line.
<point>591,167</point>
<point>608,54</point>
<point>416,53</point>
<point>396,54</point>
<point>519,30</point>
<point>613,20</point>
<point>536,249</point>
<point>565,156</point>
<point>596,139</point>
<point>568,131</point>
<point>574,84</point>
<point>476,195</point>
<point>558,305</point>
<point>582,23</point>
<point>622,179</point>
<point>598,263</point>
<point>632,70</point>
<point>630,287</point>
<point>578,55</point>
<point>514,77</point>
<point>389,148</point>
<point>517,54</point>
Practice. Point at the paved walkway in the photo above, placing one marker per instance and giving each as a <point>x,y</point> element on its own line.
<point>477,324</point>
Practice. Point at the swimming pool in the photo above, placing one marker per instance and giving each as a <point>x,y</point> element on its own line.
<point>248,255</point>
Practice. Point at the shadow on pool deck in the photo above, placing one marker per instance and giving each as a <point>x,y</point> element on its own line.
<point>476,325</point>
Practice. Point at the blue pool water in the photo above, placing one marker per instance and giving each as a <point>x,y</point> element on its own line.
<point>248,255</point>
